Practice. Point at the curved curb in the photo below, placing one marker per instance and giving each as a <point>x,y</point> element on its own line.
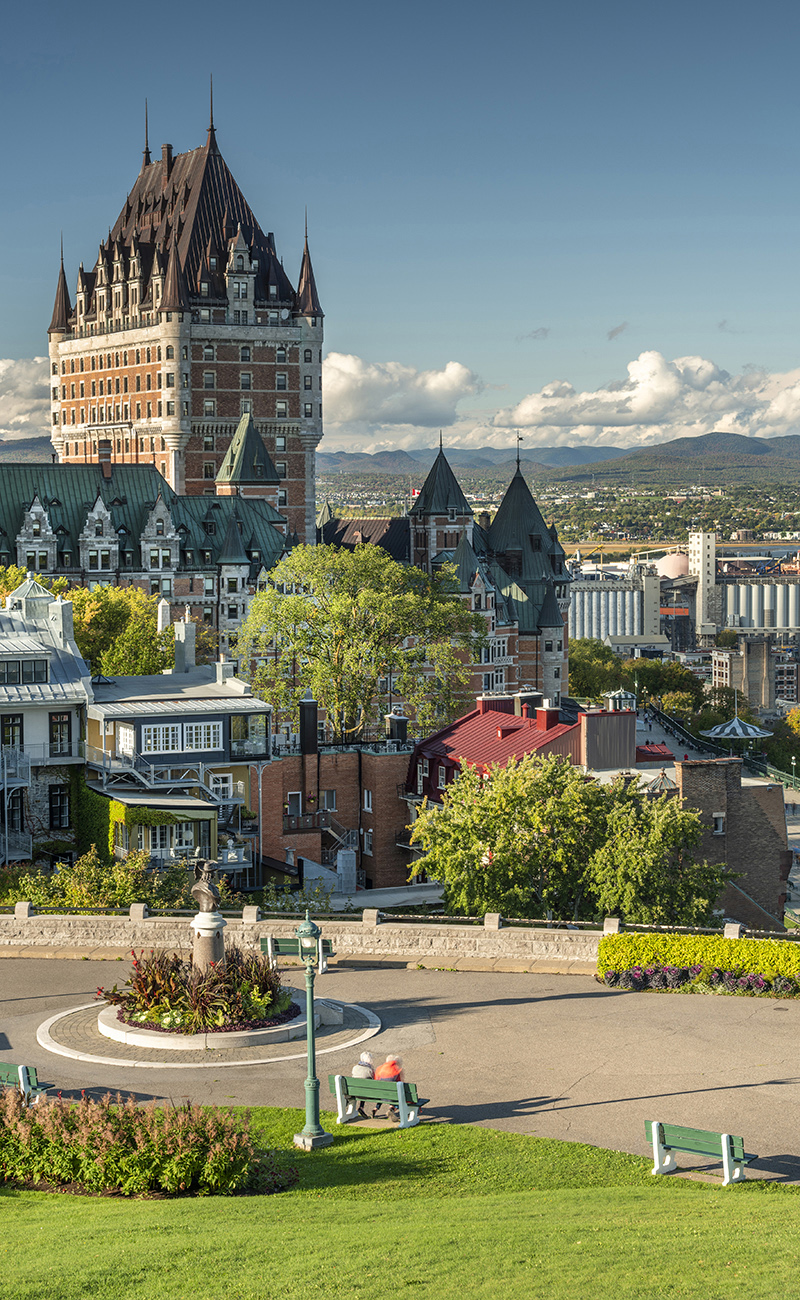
<point>45,1040</point>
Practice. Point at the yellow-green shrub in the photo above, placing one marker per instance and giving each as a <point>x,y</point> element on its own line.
<point>768,957</point>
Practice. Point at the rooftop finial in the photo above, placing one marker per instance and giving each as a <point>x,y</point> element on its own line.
<point>211,89</point>
<point>519,440</point>
<point>306,223</point>
<point>146,150</point>
<point>62,250</point>
<point>441,448</point>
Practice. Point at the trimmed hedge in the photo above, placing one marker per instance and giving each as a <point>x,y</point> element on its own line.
<point>770,957</point>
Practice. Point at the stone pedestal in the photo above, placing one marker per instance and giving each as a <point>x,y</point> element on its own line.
<point>209,942</point>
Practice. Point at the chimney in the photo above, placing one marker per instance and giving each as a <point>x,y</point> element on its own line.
<point>396,727</point>
<point>166,163</point>
<point>483,519</point>
<point>185,641</point>
<point>495,704</point>
<point>546,719</point>
<point>163,615</point>
<point>309,735</point>
<point>527,696</point>
<point>60,618</point>
<point>225,671</point>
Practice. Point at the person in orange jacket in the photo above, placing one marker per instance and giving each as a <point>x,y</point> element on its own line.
<point>392,1069</point>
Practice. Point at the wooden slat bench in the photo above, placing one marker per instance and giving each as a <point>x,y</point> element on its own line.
<point>667,1138</point>
<point>283,947</point>
<point>349,1092</point>
<point>24,1079</point>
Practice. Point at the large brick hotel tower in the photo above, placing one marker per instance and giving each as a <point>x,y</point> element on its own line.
<point>186,322</point>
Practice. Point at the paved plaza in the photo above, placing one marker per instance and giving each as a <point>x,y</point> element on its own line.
<point>558,1056</point>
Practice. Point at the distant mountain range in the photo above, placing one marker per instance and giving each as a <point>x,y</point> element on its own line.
<point>410,462</point>
<point>17,449</point>
<point>712,459</point>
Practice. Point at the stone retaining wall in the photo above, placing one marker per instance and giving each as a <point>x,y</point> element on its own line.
<point>407,941</point>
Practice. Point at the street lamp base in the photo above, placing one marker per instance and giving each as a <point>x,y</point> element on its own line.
<point>310,1141</point>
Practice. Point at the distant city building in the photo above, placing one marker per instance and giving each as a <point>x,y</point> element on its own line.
<point>511,570</point>
<point>749,669</point>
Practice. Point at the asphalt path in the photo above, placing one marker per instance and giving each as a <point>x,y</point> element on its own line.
<point>554,1055</point>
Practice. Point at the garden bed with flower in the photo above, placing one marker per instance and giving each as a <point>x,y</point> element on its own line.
<point>165,992</point>
<point>700,964</point>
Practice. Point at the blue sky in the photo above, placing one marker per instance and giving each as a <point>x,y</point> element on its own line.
<point>497,187</point>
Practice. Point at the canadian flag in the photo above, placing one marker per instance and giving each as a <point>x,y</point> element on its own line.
<point>415,492</point>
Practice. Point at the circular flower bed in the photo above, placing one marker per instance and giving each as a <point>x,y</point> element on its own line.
<point>164,992</point>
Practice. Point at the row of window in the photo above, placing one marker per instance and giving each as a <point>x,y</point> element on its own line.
<point>12,732</point>
<point>111,360</point>
<point>246,353</point>
<point>178,738</point>
<point>59,810</point>
<point>122,412</point>
<point>14,671</point>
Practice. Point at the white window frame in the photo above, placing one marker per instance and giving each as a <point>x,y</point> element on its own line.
<point>367,801</point>
<point>202,736</point>
<point>162,738</point>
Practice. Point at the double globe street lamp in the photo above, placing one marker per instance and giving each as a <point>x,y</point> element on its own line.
<point>313,1134</point>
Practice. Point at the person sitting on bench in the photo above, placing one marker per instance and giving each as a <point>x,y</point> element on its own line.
<point>392,1069</point>
<point>363,1070</point>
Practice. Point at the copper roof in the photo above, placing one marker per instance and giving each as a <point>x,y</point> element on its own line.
<point>247,459</point>
<point>61,308</point>
<point>189,204</point>
<point>441,491</point>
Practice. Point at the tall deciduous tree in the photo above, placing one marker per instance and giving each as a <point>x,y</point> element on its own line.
<point>536,838</point>
<point>116,629</point>
<point>336,621</point>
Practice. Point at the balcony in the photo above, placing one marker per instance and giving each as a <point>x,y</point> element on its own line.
<point>57,751</point>
<point>15,767</point>
<point>402,838</point>
<point>296,823</point>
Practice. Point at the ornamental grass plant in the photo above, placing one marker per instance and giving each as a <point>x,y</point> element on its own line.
<point>166,992</point>
<point>113,1145</point>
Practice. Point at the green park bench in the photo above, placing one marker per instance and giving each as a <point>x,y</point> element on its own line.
<point>275,948</point>
<point>351,1092</point>
<point>24,1079</point>
<point>667,1138</point>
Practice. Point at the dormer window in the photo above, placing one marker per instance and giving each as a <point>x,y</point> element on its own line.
<point>451,514</point>
<point>240,263</point>
<point>212,263</point>
<point>98,528</point>
<point>36,529</point>
<point>273,291</point>
<point>159,528</point>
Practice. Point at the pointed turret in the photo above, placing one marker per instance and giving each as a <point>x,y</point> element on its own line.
<point>211,139</point>
<point>62,308</point>
<point>441,492</point>
<point>247,460</point>
<point>519,527</point>
<point>325,515</point>
<point>146,159</point>
<point>307,296</point>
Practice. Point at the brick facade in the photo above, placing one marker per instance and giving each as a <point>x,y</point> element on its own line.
<point>745,828</point>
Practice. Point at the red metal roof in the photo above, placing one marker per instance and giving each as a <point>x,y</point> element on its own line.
<point>651,752</point>
<point>474,738</point>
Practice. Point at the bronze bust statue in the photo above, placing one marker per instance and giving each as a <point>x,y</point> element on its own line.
<point>204,890</point>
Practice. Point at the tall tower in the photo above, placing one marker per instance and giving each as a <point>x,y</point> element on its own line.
<point>186,323</point>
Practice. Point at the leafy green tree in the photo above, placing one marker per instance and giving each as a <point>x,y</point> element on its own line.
<point>517,842</point>
<point>593,668</point>
<point>535,838</point>
<point>647,871</point>
<point>727,639</point>
<point>680,703</point>
<point>116,629</point>
<point>335,621</point>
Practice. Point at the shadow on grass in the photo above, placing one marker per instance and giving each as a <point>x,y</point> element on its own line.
<point>484,1112</point>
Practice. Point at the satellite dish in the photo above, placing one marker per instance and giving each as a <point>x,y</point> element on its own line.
<point>285,314</point>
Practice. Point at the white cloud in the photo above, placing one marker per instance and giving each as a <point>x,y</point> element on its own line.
<point>389,394</point>
<point>660,400</point>
<point>24,398</point>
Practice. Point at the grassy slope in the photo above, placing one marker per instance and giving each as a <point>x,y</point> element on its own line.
<point>438,1211</point>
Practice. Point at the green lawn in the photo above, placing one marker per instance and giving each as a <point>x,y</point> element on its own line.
<point>437,1211</point>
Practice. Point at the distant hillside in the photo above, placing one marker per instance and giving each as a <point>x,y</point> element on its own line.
<point>713,459</point>
<point>402,462</point>
<point>19,449</point>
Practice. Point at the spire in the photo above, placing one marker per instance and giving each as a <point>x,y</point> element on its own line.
<point>62,308</point>
<point>519,440</point>
<point>146,160</point>
<point>174,297</point>
<point>440,491</point>
<point>211,142</point>
<point>247,459</point>
<point>307,296</point>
